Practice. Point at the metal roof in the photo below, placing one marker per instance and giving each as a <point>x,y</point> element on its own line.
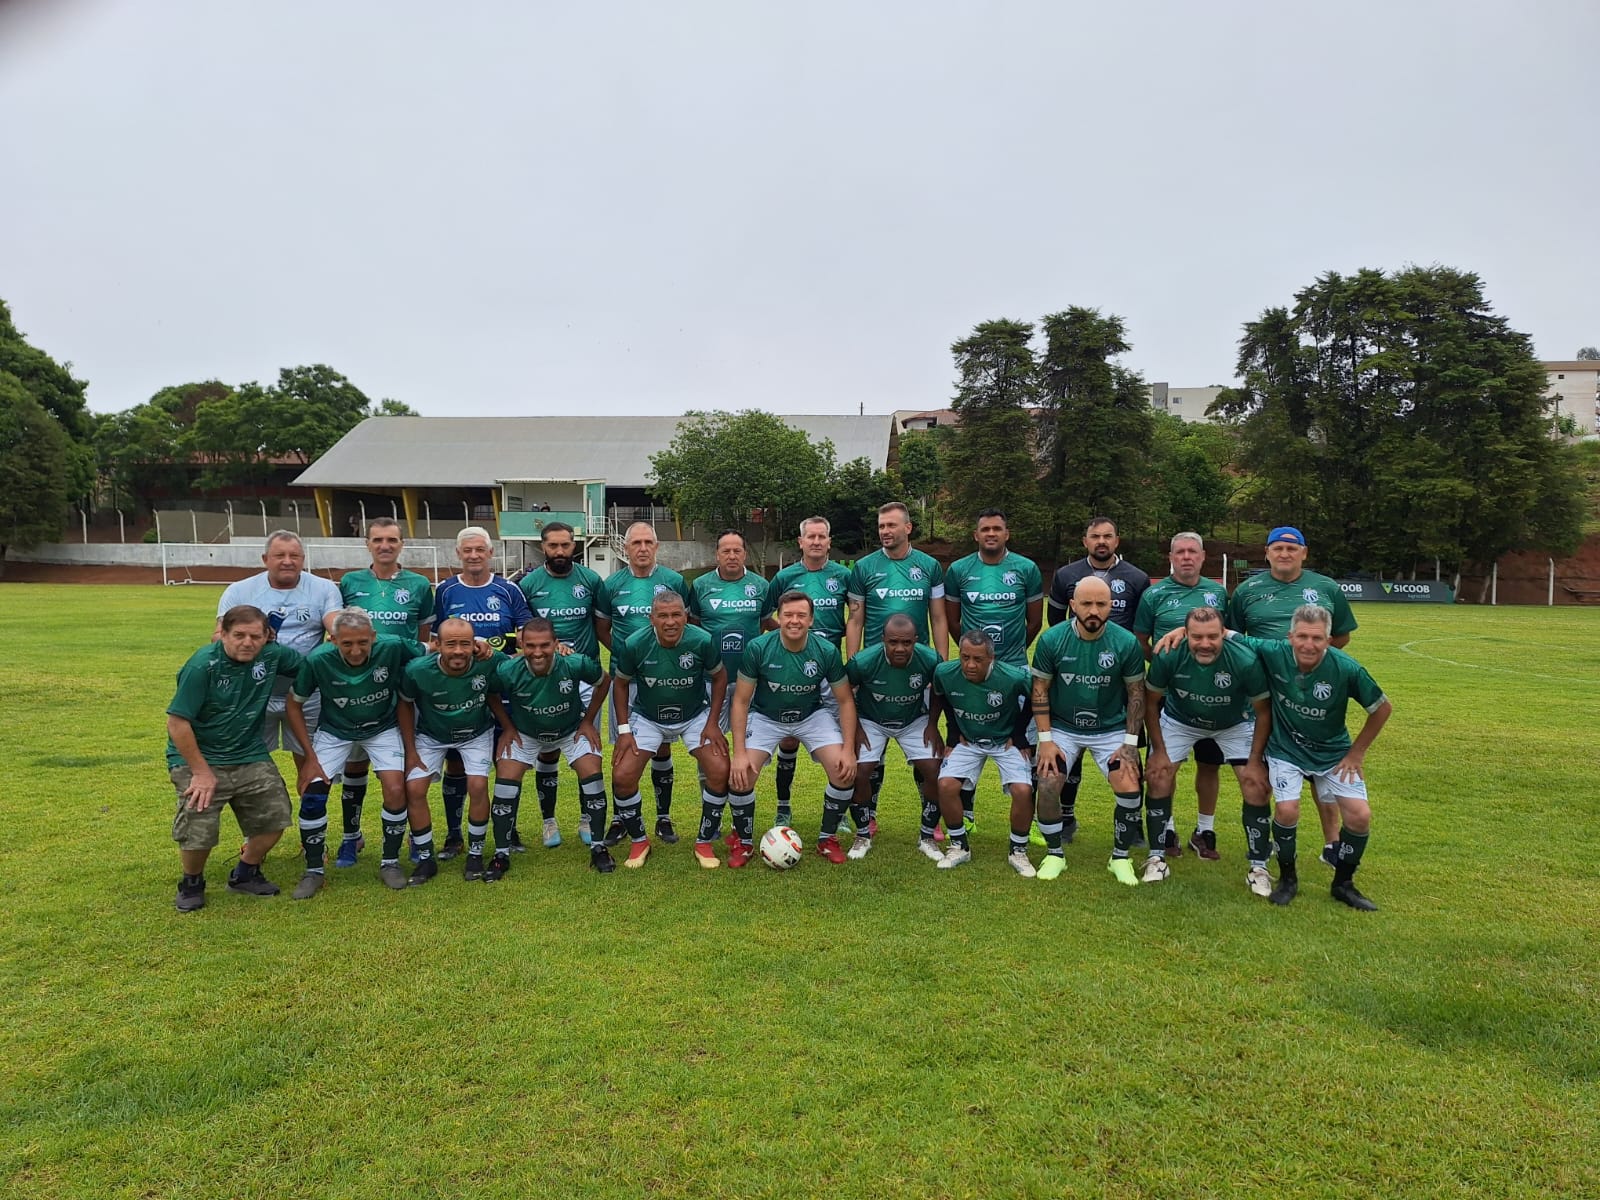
<point>385,452</point>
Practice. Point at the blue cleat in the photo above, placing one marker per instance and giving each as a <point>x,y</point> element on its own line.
<point>349,849</point>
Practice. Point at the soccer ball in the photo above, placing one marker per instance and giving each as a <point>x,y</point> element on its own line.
<point>781,848</point>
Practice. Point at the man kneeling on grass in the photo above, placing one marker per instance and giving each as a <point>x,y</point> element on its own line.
<point>216,755</point>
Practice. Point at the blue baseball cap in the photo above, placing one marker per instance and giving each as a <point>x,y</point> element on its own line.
<point>1286,533</point>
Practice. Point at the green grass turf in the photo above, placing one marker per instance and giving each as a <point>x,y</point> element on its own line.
<point>876,1029</point>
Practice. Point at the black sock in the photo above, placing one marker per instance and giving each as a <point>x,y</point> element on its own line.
<point>712,805</point>
<point>547,780</point>
<point>834,802</point>
<point>661,779</point>
<point>592,799</point>
<point>454,788</point>
<point>1126,825</point>
<point>503,811</point>
<point>1157,810</point>
<point>422,842</point>
<point>351,797</point>
<point>314,824</point>
<point>743,805</point>
<point>785,768</point>
<point>1284,835</point>
<point>628,812</point>
<point>968,793</point>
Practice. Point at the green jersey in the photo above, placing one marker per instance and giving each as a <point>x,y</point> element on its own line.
<point>887,586</point>
<point>669,682</point>
<point>625,599</point>
<point>985,713</point>
<point>1218,696</point>
<point>730,611</point>
<point>789,682</point>
<point>1165,605</point>
<point>826,586</point>
<point>569,602</point>
<point>357,702</point>
<point>225,701</point>
<point>1308,711</point>
<point>547,707</point>
<point>398,606</point>
<point>1088,679</point>
<point>994,598</point>
<point>451,709</point>
<point>1262,606</point>
<point>888,695</point>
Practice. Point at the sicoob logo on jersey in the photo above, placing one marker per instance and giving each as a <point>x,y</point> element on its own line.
<point>1107,659</point>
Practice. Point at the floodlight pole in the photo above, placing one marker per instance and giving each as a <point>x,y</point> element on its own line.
<point>1551,603</point>
<point>1494,584</point>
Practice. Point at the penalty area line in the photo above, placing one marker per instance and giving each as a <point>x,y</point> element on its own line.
<point>1410,648</point>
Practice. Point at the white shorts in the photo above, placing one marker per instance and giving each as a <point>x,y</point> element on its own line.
<point>1100,746</point>
<point>1234,742</point>
<point>611,703</point>
<point>1287,780</point>
<point>650,737</point>
<point>385,750</point>
<point>476,754</point>
<point>966,760</point>
<point>907,737</point>
<point>528,748</point>
<point>275,733</point>
<point>818,730</point>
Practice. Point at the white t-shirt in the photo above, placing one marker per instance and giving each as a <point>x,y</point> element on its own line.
<point>300,608</point>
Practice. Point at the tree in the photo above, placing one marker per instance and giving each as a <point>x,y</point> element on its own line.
<point>1589,353</point>
<point>392,408</point>
<point>1184,476</point>
<point>36,467</point>
<point>298,419</point>
<point>145,451</point>
<point>722,468</point>
<point>47,381</point>
<point>920,469</point>
<point>856,492</point>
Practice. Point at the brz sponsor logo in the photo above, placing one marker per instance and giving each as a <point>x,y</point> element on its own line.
<point>1086,720</point>
<point>995,634</point>
<point>402,595</point>
<point>885,593</point>
<point>1223,679</point>
<point>995,699</point>
<point>1107,659</point>
<point>686,661</point>
<point>791,716</point>
<point>1323,690</point>
<point>258,672</point>
<point>380,675</point>
<point>811,669</point>
<point>480,683</point>
<point>732,641</point>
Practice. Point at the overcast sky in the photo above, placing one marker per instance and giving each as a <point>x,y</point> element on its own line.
<point>524,208</point>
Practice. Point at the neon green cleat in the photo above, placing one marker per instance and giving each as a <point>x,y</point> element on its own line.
<point>1036,838</point>
<point>1122,868</point>
<point>1052,867</point>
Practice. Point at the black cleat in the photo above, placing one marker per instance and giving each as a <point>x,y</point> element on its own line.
<point>498,866</point>
<point>600,860</point>
<point>248,879</point>
<point>615,833</point>
<point>424,872</point>
<point>514,843</point>
<point>1288,887</point>
<point>474,869</point>
<point>1069,830</point>
<point>1330,855</point>
<point>453,846</point>
<point>191,898</point>
<point>1344,891</point>
<point>1170,844</point>
<point>665,831</point>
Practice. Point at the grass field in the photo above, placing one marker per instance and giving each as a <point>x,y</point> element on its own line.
<point>876,1029</point>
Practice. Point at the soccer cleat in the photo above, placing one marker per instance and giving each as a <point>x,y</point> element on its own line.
<point>413,853</point>
<point>731,838</point>
<point>191,898</point>
<point>859,848</point>
<point>1020,864</point>
<point>1155,870</point>
<point>552,834</point>
<point>473,871</point>
<point>1122,870</point>
<point>1330,855</point>
<point>1204,843</point>
<point>1259,882</point>
<point>584,835</point>
<point>705,856</point>
<point>665,831</point>
<point>349,850</point>
<point>970,823</point>
<point>514,843</point>
<point>938,836</point>
<point>310,884</point>
<point>1069,830</point>
<point>1170,844</point>
<point>1035,838</point>
<point>1288,886</point>
<point>498,866</point>
<point>930,847</point>
<point>600,860</point>
<point>828,847</point>
<point>393,876</point>
<point>1052,867</point>
<point>1344,891</point>
<point>426,871</point>
<point>741,854</point>
<point>845,828</point>
<point>453,846</point>
<point>872,828</point>
<point>784,816</point>
<point>615,832</point>
<point>248,879</point>
<point>954,857</point>
<point>637,853</point>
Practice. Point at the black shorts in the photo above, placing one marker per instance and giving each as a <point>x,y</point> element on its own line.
<point>1207,751</point>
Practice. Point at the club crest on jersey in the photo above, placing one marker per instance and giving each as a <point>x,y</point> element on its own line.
<point>917,682</point>
<point>752,590</point>
<point>659,588</point>
<point>380,675</point>
<point>686,661</point>
<point>1107,659</point>
<point>1322,690</point>
<point>833,585</point>
<point>480,683</point>
<point>1118,586</point>
<point>493,604</point>
<point>1211,600</point>
<point>258,672</point>
<point>916,573</point>
<point>1011,579</point>
<point>1309,595</point>
<point>1223,679</point>
<point>564,687</point>
<point>996,699</point>
<point>811,669</point>
<point>579,592</point>
<point>402,595</point>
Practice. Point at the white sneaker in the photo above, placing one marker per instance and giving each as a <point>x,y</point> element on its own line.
<point>1155,870</point>
<point>954,857</point>
<point>1259,882</point>
<point>930,848</point>
<point>1020,864</point>
<point>859,847</point>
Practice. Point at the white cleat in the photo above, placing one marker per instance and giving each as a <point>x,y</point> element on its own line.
<point>1020,864</point>
<point>859,848</point>
<point>1155,870</point>
<point>930,849</point>
<point>1259,882</point>
<point>954,857</point>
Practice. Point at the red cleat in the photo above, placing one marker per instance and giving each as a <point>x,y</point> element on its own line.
<point>741,854</point>
<point>705,854</point>
<point>872,828</point>
<point>637,853</point>
<point>732,838</point>
<point>830,849</point>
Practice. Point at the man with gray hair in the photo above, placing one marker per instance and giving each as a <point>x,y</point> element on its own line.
<point>299,608</point>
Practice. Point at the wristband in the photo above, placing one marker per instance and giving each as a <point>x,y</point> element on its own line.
<point>1046,736</point>
<point>621,729</point>
<point>1130,739</point>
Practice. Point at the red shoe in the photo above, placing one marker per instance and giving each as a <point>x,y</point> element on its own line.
<point>830,849</point>
<point>872,828</point>
<point>741,854</point>
<point>637,853</point>
<point>705,854</point>
<point>938,833</point>
<point>732,838</point>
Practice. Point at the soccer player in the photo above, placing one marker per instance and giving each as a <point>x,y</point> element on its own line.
<point>671,685</point>
<point>827,583</point>
<point>779,695</point>
<point>891,681</point>
<point>981,695</point>
<point>357,675</point>
<point>299,608</point>
<point>1001,594</point>
<point>728,603</point>
<point>623,610</point>
<point>216,755</point>
<point>896,578</point>
<point>496,608</point>
<point>543,697</point>
<point>400,602</point>
<point>1163,608</point>
<point>566,593</point>
<point>449,704</point>
<point>1208,689</point>
<point>1264,604</point>
<point>1088,686</point>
